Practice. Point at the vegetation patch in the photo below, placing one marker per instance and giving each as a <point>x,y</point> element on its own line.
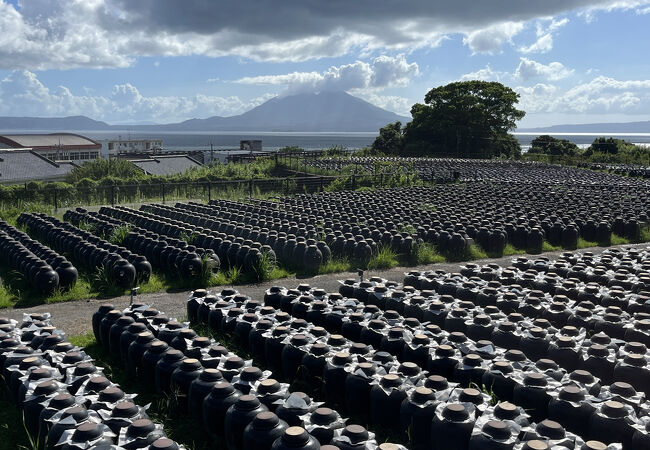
<point>385,258</point>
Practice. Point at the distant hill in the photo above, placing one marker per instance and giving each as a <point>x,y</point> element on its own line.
<point>325,111</point>
<point>52,123</point>
<point>624,127</point>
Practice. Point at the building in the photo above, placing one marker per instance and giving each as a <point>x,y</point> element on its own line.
<point>166,165</point>
<point>55,146</point>
<point>121,147</point>
<point>254,145</point>
<point>24,165</point>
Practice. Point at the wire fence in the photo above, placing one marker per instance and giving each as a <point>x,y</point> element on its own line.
<point>58,197</point>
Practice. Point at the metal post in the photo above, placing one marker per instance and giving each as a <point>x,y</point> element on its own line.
<point>163,192</point>
<point>56,203</point>
<point>251,188</point>
<point>209,191</point>
<point>112,194</point>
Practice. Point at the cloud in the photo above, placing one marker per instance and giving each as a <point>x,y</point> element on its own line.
<point>544,42</point>
<point>485,74</point>
<point>397,104</point>
<point>385,71</point>
<point>491,39</point>
<point>529,69</point>
<point>602,95</point>
<point>23,94</point>
<point>64,34</point>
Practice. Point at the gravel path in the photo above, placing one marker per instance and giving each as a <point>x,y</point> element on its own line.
<point>75,317</point>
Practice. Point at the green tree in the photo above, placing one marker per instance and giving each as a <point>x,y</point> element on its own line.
<point>100,168</point>
<point>390,139</point>
<point>466,119</point>
<point>548,145</point>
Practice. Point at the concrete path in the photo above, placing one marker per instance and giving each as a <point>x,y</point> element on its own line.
<point>75,317</point>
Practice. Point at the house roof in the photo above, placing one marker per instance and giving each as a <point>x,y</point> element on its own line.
<point>19,166</point>
<point>166,165</point>
<point>36,141</point>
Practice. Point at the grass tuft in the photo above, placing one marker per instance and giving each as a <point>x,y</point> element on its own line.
<point>548,247</point>
<point>618,240</point>
<point>586,244</point>
<point>334,266</point>
<point>118,234</point>
<point>424,254</point>
<point>385,258</point>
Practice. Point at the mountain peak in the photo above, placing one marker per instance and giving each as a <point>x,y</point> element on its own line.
<point>313,112</point>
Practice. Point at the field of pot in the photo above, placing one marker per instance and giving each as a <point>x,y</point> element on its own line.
<point>539,354</point>
<point>629,170</point>
<point>510,208</point>
<point>458,169</point>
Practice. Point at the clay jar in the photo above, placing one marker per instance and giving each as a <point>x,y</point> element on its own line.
<point>237,418</point>
<point>262,432</point>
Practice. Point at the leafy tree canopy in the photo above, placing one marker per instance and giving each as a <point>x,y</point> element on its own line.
<point>548,145</point>
<point>464,119</point>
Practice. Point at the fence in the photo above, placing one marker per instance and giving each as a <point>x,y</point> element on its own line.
<point>18,197</point>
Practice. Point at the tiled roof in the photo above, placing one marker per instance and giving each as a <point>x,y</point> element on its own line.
<point>166,165</point>
<point>19,166</point>
<point>46,140</point>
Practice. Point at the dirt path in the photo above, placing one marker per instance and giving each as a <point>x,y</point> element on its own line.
<point>75,317</point>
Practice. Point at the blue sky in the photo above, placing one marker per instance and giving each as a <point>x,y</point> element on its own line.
<point>572,61</point>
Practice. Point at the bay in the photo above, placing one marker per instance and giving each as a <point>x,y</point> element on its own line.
<point>225,141</point>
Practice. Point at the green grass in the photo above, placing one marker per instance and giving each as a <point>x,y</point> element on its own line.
<point>586,244</point>
<point>334,266</point>
<point>385,258</point>
<point>82,340</point>
<point>426,254</point>
<point>548,247</point>
<point>508,250</point>
<point>118,234</point>
<point>618,240</point>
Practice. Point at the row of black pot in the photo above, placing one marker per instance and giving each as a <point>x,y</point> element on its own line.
<point>543,389</point>
<point>468,208</point>
<point>600,280</point>
<point>250,259</point>
<point>307,252</point>
<point>27,263</point>
<point>429,406</point>
<point>66,401</point>
<point>230,251</point>
<point>36,271</point>
<point>443,169</point>
<point>87,250</point>
<point>536,323</point>
<point>347,241</point>
<point>174,256</point>
<point>512,290</point>
<point>230,397</point>
<point>628,170</point>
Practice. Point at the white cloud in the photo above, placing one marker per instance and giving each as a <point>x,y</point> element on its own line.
<point>602,95</point>
<point>529,69</point>
<point>64,34</point>
<point>23,94</point>
<point>385,71</point>
<point>397,104</point>
<point>544,42</point>
<point>485,74</point>
<point>492,38</point>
